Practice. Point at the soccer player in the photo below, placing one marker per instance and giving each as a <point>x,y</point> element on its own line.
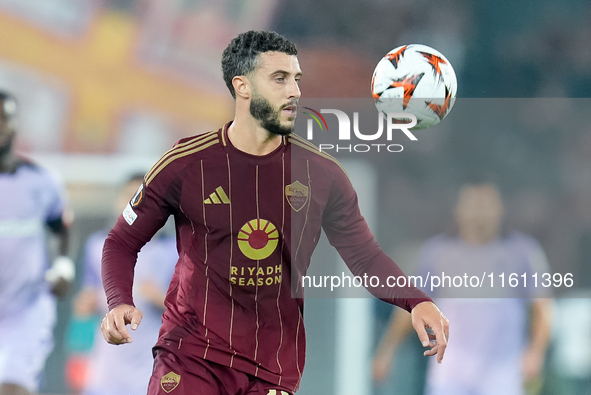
<point>126,371</point>
<point>494,356</point>
<point>249,201</point>
<point>30,202</point>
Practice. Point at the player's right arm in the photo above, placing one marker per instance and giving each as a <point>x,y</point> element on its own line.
<point>348,232</point>
<point>143,216</point>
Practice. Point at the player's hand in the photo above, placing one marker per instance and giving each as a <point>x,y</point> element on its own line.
<point>114,324</point>
<point>61,275</point>
<point>426,316</point>
<point>60,287</point>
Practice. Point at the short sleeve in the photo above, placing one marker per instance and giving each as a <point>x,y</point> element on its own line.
<point>536,265</point>
<point>55,197</point>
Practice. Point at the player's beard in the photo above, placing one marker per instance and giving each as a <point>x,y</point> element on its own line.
<point>267,115</point>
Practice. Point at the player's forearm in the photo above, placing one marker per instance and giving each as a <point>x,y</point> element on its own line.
<point>369,260</point>
<point>63,270</point>
<point>64,241</point>
<point>60,229</point>
<point>540,325</point>
<point>118,264</point>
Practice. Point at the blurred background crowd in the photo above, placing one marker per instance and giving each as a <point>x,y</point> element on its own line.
<point>106,86</point>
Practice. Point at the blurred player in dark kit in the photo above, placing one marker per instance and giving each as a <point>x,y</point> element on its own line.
<point>495,354</point>
<point>31,201</point>
<point>249,202</point>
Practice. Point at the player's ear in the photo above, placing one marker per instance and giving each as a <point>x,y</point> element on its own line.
<point>241,86</point>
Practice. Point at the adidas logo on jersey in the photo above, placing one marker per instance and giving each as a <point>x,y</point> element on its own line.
<point>217,197</point>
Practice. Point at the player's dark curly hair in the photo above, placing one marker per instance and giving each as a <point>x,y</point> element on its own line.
<point>241,56</point>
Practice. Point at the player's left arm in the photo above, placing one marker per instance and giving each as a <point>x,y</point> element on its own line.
<point>59,220</point>
<point>152,293</point>
<point>348,232</point>
<point>539,338</point>
<point>540,311</point>
<point>62,272</point>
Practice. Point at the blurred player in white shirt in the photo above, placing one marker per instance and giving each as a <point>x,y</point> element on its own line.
<point>493,353</point>
<point>31,202</point>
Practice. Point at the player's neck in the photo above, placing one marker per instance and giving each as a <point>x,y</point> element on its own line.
<point>247,135</point>
<point>480,236</point>
<point>8,162</point>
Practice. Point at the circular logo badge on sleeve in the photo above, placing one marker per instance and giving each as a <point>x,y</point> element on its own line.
<point>258,239</point>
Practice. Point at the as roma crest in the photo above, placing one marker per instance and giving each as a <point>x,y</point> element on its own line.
<point>170,381</point>
<point>297,195</point>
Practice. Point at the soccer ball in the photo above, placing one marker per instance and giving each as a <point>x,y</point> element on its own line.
<point>414,79</point>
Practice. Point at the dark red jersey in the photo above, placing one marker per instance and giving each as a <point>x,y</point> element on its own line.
<point>246,229</point>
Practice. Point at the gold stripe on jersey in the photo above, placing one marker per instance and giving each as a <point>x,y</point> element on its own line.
<point>295,257</point>
<point>181,147</point>
<point>295,137</point>
<point>206,263</point>
<point>281,263</point>
<point>297,354</point>
<point>312,148</point>
<point>224,134</point>
<point>198,147</point>
<point>231,256</point>
<point>299,139</point>
<point>256,292</point>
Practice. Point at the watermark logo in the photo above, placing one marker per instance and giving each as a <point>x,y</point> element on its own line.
<point>315,116</point>
<point>394,122</point>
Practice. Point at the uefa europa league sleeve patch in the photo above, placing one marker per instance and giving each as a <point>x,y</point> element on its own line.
<point>170,381</point>
<point>129,215</point>
<point>138,197</point>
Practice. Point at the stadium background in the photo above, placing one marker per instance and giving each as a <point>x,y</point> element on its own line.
<point>106,86</point>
